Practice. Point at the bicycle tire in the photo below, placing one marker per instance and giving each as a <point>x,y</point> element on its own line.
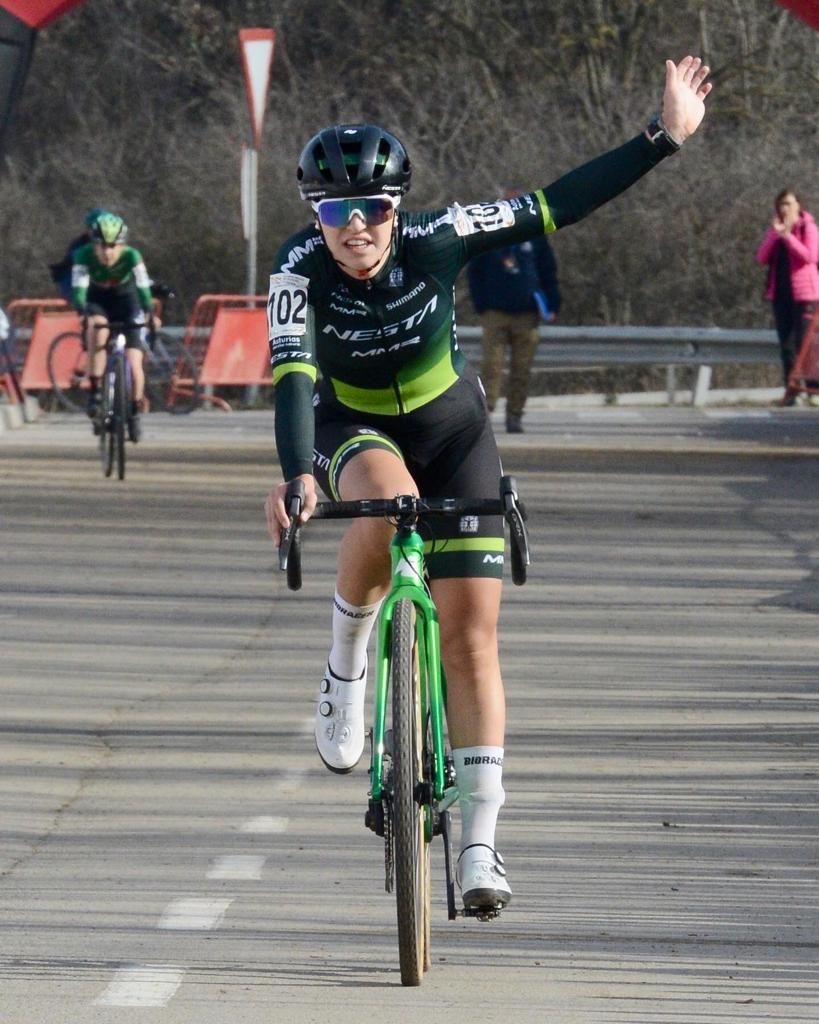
<point>122,400</point>
<point>67,364</point>
<point>412,855</point>
<point>106,424</point>
<point>171,377</point>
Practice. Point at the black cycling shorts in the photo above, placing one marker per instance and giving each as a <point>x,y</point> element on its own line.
<point>121,308</point>
<point>449,449</point>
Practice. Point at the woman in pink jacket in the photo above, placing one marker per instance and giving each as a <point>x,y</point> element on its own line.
<point>790,249</point>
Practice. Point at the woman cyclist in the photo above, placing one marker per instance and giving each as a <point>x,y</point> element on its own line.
<point>364,296</point>
<point>110,283</point>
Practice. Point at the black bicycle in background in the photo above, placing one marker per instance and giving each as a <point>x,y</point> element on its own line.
<point>113,422</point>
<point>171,376</point>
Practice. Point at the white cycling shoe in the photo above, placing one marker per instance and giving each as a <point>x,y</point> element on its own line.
<point>482,879</point>
<point>339,727</point>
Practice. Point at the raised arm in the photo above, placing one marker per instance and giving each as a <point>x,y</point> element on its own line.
<point>581,191</point>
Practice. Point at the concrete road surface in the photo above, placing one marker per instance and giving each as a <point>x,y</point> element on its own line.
<point>171,850</point>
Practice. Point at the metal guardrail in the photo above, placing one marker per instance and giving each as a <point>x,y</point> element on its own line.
<point>578,347</point>
<point>569,347</point>
<point>563,347</point>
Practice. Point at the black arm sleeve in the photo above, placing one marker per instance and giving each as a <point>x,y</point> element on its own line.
<point>295,424</point>
<point>581,191</point>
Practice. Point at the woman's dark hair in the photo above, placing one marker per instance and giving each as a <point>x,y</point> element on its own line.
<point>787,192</point>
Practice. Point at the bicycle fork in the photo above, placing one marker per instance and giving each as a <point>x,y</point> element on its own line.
<point>438,792</point>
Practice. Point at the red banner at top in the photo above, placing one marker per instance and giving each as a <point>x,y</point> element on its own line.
<point>807,10</point>
<point>38,13</point>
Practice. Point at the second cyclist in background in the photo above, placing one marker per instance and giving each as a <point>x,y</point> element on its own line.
<point>110,283</point>
<point>61,272</point>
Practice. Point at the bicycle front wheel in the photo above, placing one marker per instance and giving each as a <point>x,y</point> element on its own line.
<point>122,399</point>
<point>115,406</point>
<point>68,370</point>
<point>106,422</point>
<point>412,855</point>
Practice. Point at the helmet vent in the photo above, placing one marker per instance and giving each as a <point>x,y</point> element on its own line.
<point>351,153</point>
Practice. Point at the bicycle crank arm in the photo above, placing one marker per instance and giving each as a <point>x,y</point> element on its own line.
<point>445,821</point>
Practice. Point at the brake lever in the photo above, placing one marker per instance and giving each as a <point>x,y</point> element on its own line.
<point>294,502</point>
<point>514,512</point>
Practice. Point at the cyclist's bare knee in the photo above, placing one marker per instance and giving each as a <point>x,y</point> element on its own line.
<point>375,473</point>
<point>364,561</point>
<point>468,611</point>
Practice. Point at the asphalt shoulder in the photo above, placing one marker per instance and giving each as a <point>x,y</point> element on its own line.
<point>738,430</point>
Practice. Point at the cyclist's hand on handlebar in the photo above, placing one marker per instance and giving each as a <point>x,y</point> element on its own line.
<point>277,517</point>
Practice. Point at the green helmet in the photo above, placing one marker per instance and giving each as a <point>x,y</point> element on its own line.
<point>110,229</point>
<point>93,215</point>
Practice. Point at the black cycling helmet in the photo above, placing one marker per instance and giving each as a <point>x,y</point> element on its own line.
<point>353,160</point>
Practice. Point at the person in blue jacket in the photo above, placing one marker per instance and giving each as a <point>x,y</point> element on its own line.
<point>513,289</point>
<point>61,272</point>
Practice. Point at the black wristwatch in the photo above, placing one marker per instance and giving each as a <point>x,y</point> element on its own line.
<point>658,134</point>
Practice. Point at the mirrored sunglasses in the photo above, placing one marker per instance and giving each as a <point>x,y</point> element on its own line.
<point>373,210</point>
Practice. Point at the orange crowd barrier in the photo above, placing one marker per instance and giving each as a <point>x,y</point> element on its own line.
<point>46,328</point>
<point>23,312</point>
<point>225,334</point>
<point>237,351</point>
<point>200,324</point>
<point>224,366</point>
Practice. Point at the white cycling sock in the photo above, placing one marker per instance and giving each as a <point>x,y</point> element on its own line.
<point>479,774</point>
<point>352,626</point>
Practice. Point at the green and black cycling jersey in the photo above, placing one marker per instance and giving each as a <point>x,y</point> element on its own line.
<point>91,279</point>
<point>387,346</point>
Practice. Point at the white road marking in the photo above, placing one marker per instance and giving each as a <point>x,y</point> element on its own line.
<point>141,985</point>
<point>155,985</point>
<point>193,914</point>
<point>266,823</point>
<point>237,867</point>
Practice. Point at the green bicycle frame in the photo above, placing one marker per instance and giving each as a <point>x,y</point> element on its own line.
<point>407,556</point>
